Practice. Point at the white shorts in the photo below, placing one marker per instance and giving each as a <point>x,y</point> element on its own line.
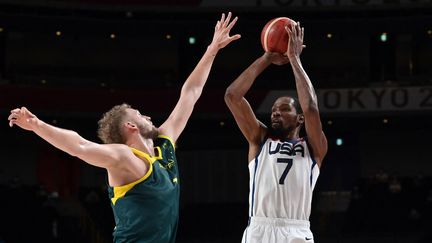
<point>277,230</point>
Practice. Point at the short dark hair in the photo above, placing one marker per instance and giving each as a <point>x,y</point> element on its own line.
<point>297,106</point>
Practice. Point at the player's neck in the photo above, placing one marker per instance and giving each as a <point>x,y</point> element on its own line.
<point>291,136</point>
<point>143,144</point>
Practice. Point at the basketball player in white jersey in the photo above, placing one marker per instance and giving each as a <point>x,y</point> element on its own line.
<point>283,166</point>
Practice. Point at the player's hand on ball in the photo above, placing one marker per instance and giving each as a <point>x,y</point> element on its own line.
<point>276,58</point>
<point>22,118</point>
<point>221,37</point>
<point>295,40</point>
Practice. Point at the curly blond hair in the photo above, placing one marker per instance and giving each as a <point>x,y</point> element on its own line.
<point>109,130</point>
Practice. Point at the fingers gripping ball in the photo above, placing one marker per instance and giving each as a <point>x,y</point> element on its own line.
<point>274,37</point>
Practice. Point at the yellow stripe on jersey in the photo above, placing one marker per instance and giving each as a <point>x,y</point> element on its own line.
<point>120,191</point>
<point>159,154</point>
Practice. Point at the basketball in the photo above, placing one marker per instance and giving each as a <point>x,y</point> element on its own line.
<point>274,37</point>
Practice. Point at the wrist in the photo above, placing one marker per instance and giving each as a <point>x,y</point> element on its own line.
<point>212,50</point>
<point>294,59</point>
<point>266,58</point>
<point>36,123</point>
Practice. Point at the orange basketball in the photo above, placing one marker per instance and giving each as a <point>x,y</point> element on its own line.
<point>274,37</point>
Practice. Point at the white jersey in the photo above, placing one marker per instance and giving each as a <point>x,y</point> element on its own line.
<point>282,179</point>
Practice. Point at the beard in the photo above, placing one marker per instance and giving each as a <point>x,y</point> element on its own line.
<point>151,133</point>
<point>277,131</point>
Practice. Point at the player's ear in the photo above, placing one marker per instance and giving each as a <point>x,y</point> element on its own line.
<point>300,119</point>
<point>130,125</point>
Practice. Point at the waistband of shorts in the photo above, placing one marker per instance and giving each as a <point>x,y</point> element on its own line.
<point>281,222</point>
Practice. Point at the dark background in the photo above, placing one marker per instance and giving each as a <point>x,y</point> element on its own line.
<point>375,187</point>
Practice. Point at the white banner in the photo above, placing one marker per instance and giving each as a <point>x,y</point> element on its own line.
<point>363,99</point>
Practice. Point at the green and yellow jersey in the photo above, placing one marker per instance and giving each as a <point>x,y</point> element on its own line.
<point>147,210</point>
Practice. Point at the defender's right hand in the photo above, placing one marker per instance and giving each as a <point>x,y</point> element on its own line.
<point>22,118</point>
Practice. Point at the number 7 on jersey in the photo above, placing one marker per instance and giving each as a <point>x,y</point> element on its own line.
<point>289,163</point>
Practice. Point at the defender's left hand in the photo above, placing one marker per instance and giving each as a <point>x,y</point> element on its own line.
<point>221,37</point>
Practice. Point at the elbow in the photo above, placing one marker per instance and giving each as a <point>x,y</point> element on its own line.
<point>79,150</point>
<point>196,93</point>
<point>230,96</point>
<point>193,93</point>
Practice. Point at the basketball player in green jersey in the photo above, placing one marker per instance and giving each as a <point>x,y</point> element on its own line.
<point>139,158</point>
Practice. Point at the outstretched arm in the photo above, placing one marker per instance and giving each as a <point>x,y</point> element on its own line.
<point>306,94</point>
<point>194,84</point>
<point>253,130</point>
<point>105,156</point>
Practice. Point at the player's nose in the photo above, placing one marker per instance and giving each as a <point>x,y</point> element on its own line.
<point>275,114</point>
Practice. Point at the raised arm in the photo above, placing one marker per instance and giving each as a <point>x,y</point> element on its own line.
<point>306,94</point>
<point>253,130</point>
<point>101,155</point>
<point>194,84</point>
<point>250,126</point>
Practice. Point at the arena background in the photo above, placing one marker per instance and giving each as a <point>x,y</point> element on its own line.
<point>71,60</point>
